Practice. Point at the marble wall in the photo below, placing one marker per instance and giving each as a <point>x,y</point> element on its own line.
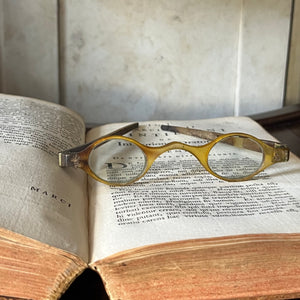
<point>123,60</point>
<point>292,95</point>
<point>29,48</point>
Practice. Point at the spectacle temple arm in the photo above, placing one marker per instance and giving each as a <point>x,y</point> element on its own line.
<point>208,135</point>
<point>281,151</point>
<point>69,158</point>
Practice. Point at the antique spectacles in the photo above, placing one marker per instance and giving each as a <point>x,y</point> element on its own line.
<point>118,160</point>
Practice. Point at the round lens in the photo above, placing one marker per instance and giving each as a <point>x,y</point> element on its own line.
<point>117,161</point>
<point>235,157</point>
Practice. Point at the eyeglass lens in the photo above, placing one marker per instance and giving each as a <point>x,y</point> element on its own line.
<point>235,157</point>
<point>117,161</point>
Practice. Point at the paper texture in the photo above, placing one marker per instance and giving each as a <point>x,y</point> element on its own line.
<point>38,198</point>
<point>178,199</point>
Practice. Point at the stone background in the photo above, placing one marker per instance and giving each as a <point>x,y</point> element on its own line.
<point>125,60</point>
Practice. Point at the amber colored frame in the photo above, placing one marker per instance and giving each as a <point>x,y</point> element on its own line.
<point>78,157</point>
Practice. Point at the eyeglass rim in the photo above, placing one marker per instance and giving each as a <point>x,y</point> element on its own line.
<point>78,156</point>
<point>96,143</point>
<point>149,151</point>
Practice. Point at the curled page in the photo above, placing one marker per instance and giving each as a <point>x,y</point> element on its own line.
<point>38,198</point>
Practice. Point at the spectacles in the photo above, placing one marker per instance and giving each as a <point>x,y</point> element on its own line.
<point>118,160</point>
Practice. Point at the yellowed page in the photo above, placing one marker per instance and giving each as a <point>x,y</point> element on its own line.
<point>179,200</point>
<point>38,198</point>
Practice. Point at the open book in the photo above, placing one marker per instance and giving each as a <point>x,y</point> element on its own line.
<point>176,233</point>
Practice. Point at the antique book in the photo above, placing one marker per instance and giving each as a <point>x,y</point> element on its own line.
<point>177,233</point>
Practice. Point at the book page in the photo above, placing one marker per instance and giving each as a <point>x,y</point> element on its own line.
<point>38,198</point>
<point>178,199</point>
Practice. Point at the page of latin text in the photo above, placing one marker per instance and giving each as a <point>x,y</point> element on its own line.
<point>38,198</point>
<point>178,199</point>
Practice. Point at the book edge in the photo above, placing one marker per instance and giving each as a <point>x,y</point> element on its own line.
<point>72,266</point>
